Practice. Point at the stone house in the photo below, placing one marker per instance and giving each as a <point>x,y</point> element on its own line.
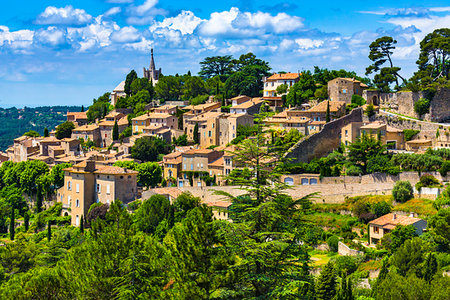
<point>216,169</point>
<point>419,145</point>
<point>392,137</point>
<point>196,161</point>
<point>342,89</point>
<point>88,132</point>
<point>289,119</point>
<point>85,183</point>
<point>46,142</point>
<point>78,118</point>
<point>250,107</point>
<point>106,130</point>
<point>23,148</point>
<point>319,112</point>
<point>272,82</point>
<point>166,109</point>
<point>385,224</point>
<point>229,124</point>
<point>239,100</point>
<point>172,165</point>
<point>71,146</point>
<point>118,92</point>
<point>160,119</point>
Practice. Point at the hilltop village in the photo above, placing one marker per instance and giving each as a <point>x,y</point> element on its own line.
<point>364,168</point>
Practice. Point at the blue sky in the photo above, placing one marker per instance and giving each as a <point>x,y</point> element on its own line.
<point>68,52</point>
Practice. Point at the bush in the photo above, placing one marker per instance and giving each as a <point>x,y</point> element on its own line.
<point>410,133</point>
<point>422,106</point>
<point>402,191</point>
<point>427,181</point>
<point>333,242</point>
<point>347,263</point>
<point>381,208</point>
<point>353,170</point>
<point>445,168</point>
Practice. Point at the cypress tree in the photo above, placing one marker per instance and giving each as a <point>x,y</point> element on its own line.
<point>82,108</point>
<point>49,231</point>
<point>26,218</point>
<point>39,202</point>
<point>46,132</point>
<point>326,285</point>
<point>171,218</point>
<point>196,134</point>
<point>431,267</point>
<point>345,290</point>
<point>105,111</point>
<point>82,224</point>
<point>327,118</point>
<point>12,224</point>
<point>115,132</point>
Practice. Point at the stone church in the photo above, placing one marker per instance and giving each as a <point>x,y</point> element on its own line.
<point>151,73</point>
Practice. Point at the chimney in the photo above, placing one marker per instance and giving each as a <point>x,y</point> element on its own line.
<point>394,216</point>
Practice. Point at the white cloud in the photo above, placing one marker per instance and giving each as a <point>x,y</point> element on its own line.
<point>145,13</point>
<point>51,36</point>
<point>147,6</point>
<point>19,40</point>
<point>308,43</point>
<point>186,22</point>
<point>63,16</point>
<point>127,34</point>
<point>96,34</point>
<point>236,23</point>
<point>112,11</point>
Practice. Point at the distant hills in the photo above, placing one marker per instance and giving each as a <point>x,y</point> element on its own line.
<point>16,121</point>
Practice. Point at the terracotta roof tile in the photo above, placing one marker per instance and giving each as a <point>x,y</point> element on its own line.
<point>399,220</point>
<point>286,76</point>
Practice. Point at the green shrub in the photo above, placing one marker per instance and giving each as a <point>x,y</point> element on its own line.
<point>409,134</point>
<point>427,181</point>
<point>345,263</point>
<point>422,106</point>
<point>354,170</point>
<point>402,191</point>
<point>333,242</point>
<point>445,168</point>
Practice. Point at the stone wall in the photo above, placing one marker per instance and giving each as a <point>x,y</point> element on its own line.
<point>343,249</point>
<point>403,103</point>
<point>323,142</point>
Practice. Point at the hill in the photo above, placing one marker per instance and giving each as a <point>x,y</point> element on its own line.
<point>15,122</point>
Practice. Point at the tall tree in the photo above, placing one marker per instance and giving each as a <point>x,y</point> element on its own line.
<point>49,230</point>
<point>196,134</point>
<point>12,225</point>
<point>115,132</point>
<point>380,53</point>
<point>216,66</point>
<point>434,57</point>
<point>82,224</point>
<point>45,132</point>
<point>64,130</point>
<point>302,90</point>
<point>345,289</point>
<point>148,148</point>
<point>129,80</point>
<point>326,283</point>
<point>327,117</point>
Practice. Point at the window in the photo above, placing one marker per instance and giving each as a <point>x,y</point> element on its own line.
<point>69,185</point>
<point>77,188</point>
<point>346,132</point>
<point>344,91</point>
<point>77,220</point>
<point>108,190</point>
<point>69,200</point>
<point>77,203</point>
<point>209,133</point>
<point>192,166</point>
<point>201,165</point>
<point>376,230</point>
<point>184,166</point>
<point>227,171</point>
<point>99,188</point>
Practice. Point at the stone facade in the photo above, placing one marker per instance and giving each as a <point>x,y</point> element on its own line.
<point>342,89</point>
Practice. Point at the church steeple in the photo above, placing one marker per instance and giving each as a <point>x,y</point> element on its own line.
<point>152,62</point>
<point>152,73</point>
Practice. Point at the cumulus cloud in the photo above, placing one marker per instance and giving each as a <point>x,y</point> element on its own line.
<point>237,23</point>
<point>51,36</point>
<point>112,11</point>
<point>308,43</point>
<point>127,34</point>
<point>145,13</point>
<point>19,40</point>
<point>63,16</point>
<point>94,35</point>
<point>186,22</point>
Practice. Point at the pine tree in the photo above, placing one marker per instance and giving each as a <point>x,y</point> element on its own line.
<point>82,224</point>
<point>49,231</point>
<point>26,220</point>
<point>46,132</point>
<point>12,224</point>
<point>115,132</point>
<point>326,284</point>
<point>430,267</point>
<point>327,118</point>
<point>196,134</point>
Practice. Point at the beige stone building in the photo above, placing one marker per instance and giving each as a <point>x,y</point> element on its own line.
<point>250,107</point>
<point>106,130</point>
<point>392,137</point>
<point>342,89</point>
<point>166,109</point>
<point>88,132</point>
<point>118,92</point>
<point>419,145</point>
<point>23,148</point>
<point>385,224</point>
<point>154,119</point>
<point>196,161</point>
<point>85,183</point>
<point>172,165</point>
<point>78,118</point>
<point>272,82</point>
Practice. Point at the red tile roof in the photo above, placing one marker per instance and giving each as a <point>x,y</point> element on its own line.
<point>287,76</point>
